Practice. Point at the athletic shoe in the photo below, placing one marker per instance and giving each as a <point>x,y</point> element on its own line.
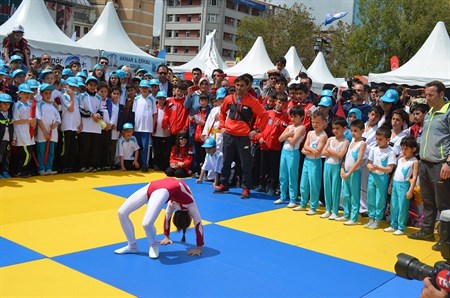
<point>399,233</point>
<point>221,189</point>
<point>153,252</point>
<point>126,250</point>
<point>43,173</point>
<point>325,215</point>
<point>341,218</point>
<point>291,205</point>
<point>389,230</point>
<point>5,174</point>
<point>299,208</point>
<point>279,201</point>
<point>422,235</point>
<point>260,188</point>
<point>437,246</point>
<point>50,172</point>
<point>369,223</point>
<point>271,192</point>
<point>311,212</point>
<point>333,217</point>
<point>374,225</point>
<point>350,223</point>
<point>245,193</point>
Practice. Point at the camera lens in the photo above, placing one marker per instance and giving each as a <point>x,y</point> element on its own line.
<point>411,268</point>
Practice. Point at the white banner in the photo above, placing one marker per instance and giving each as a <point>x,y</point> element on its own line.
<point>134,62</point>
<point>64,59</point>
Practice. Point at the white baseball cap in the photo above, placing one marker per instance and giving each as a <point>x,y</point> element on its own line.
<point>18,28</point>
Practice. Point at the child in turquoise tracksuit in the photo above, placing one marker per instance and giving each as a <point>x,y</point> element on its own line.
<point>381,162</point>
<point>351,175</point>
<point>334,151</point>
<point>292,137</point>
<point>311,180</point>
<point>402,185</point>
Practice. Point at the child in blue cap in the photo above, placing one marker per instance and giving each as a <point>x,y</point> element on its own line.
<point>6,134</point>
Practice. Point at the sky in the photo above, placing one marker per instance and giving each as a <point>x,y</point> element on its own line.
<point>320,9</point>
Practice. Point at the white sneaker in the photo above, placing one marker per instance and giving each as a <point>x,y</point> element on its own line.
<point>369,223</point>
<point>325,215</point>
<point>350,223</point>
<point>43,173</point>
<point>342,218</point>
<point>50,172</point>
<point>126,250</point>
<point>374,226</point>
<point>279,201</point>
<point>299,208</point>
<point>399,233</point>
<point>311,212</point>
<point>153,252</point>
<point>389,230</point>
<point>291,205</point>
<point>332,216</point>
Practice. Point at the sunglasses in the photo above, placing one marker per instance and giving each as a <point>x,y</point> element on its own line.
<point>104,63</point>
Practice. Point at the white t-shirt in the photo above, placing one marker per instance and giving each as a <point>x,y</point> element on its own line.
<point>127,148</point>
<point>48,115</point>
<point>159,132</point>
<point>395,142</point>
<point>70,120</point>
<point>404,169</point>
<point>382,157</point>
<point>92,104</point>
<point>22,131</point>
<point>143,109</point>
<point>370,139</point>
<point>213,162</point>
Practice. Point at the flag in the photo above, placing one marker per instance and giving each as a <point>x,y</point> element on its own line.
<point>333,16</point>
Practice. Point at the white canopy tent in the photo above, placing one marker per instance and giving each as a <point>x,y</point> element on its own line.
<point>431,62</point>
<point>41,32</point>
<point>109,36</point>
<point>320,74</point>
<point>293,63</point>
<point>256,62</point>
<point>207,59</point>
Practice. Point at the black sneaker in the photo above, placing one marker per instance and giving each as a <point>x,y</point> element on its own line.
<point>364,214</point>
<point>437,246</point>
<point>422,235</point>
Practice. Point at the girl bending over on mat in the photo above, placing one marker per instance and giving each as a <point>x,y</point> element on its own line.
<point>156,194</point>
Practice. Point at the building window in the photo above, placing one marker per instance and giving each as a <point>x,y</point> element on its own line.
<point>212,18</point>
<point>169,18</point>
<point>188,33</point>
<point>199,17</point>
<point>213,2</point>
<point>168,33</point>
<point>77,30</point>
<point>175,50</point>
<point>189,18</point>
<point>186,50</point>
<point>177,18</point>
<point>170,3</point>
<point>176,33</point>
<point>168,49</point>
<point>85,30</point>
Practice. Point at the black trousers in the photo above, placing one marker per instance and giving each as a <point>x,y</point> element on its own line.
<point>69,149</point>
<point>241,146</point>
<point>199,156</point>
<point>270,168</point>
<point>161,151</point>
<point>5,155</point>
<point>435,193</point>
<point>89,153</point>
<point>179,173</point>
<point>105,143</point>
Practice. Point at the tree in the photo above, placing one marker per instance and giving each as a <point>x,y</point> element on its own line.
<point>388,28</point>
<point>283,28</point>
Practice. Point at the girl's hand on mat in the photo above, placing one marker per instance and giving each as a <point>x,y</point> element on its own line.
<point>165,241</point>
<point>195,252</point>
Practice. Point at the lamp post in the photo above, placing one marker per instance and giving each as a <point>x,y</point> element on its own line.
<point>322,44</point>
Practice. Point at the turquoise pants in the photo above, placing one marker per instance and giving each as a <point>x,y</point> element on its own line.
<point>332,186</point>
<point>376,195</point>
<point>40,150</point>
<point>399,204</point>
<point>351,194</point>
<point>311,182</point>
<point>289,163</point>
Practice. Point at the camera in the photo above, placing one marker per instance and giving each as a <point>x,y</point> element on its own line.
<point>410,267</point>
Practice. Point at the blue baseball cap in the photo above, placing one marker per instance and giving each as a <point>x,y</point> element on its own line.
<point>154,82</point>
<point>82,74</point>
<point>221,93</point>
<point>72,81</point>
<point>66,72</point>
<point>121,73</point>
<point>3,71</point>
<point>327,92</point>
<point>161,94</point>
<point>141,70</point>
<point>127,126</point>
<point>4,97</point>
<point>15,58</point>
<point>44,72</point>
<point>33,84</point>
<point>80,82</point>
<point>17,72</point>
<point>326,101</point>
<point>209,143</point>
<point>144,84</point>
<point>136,79</point>
<point>24,88</point>
<point>391,96</point>
<point>45,87</point>
<point>97,66</point>
<point>63,82</point>
<point>91,78</point>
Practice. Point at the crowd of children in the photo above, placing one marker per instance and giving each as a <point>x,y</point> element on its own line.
<point>299,148</point>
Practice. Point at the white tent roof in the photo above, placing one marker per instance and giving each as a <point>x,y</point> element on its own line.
<point>293,63</point>
<point>319,72</point>
<point>256,62</point>
<point>41,32</point>
<point>207,59</point>
<point>109,35</point>
<point>431,62</point>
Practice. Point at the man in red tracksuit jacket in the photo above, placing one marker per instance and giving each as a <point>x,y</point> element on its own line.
<point>236,115</point>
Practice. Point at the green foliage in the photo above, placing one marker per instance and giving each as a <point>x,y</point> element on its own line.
<point>285,28</point>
